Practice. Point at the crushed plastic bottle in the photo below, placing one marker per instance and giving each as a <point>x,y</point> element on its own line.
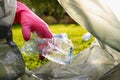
<point>57,49</point>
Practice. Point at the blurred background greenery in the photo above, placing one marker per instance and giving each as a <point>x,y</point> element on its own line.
<point>49,10</point>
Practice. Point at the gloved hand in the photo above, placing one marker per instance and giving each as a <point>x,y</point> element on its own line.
<point>30,22</point>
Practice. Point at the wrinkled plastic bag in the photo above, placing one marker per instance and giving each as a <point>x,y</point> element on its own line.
<point>57,49</point>
<point>11,62</point>
<point>93,63</point>
<point>90,64</point>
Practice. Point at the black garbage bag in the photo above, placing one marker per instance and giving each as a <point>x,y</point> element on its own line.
<point>11,62</point>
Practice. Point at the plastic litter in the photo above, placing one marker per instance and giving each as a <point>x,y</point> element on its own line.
<point>57,49</point>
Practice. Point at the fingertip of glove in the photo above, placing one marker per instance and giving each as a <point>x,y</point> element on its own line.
<point>26,39</point>
<point>41,57</point>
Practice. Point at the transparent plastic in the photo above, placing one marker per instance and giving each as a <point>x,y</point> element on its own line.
<point>57,49</point>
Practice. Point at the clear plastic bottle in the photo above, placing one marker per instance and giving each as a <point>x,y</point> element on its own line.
<point>57,49</point>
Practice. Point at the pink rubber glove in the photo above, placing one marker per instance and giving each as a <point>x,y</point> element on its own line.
<point>30,22</point>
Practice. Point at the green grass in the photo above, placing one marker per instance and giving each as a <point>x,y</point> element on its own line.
<point>73,31</point>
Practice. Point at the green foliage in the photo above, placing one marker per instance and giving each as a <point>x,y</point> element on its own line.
<point>46,8</point>
<point>74,32</point>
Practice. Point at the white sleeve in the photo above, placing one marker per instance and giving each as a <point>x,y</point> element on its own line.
<point>114,5</point>
<point>100,17</point>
